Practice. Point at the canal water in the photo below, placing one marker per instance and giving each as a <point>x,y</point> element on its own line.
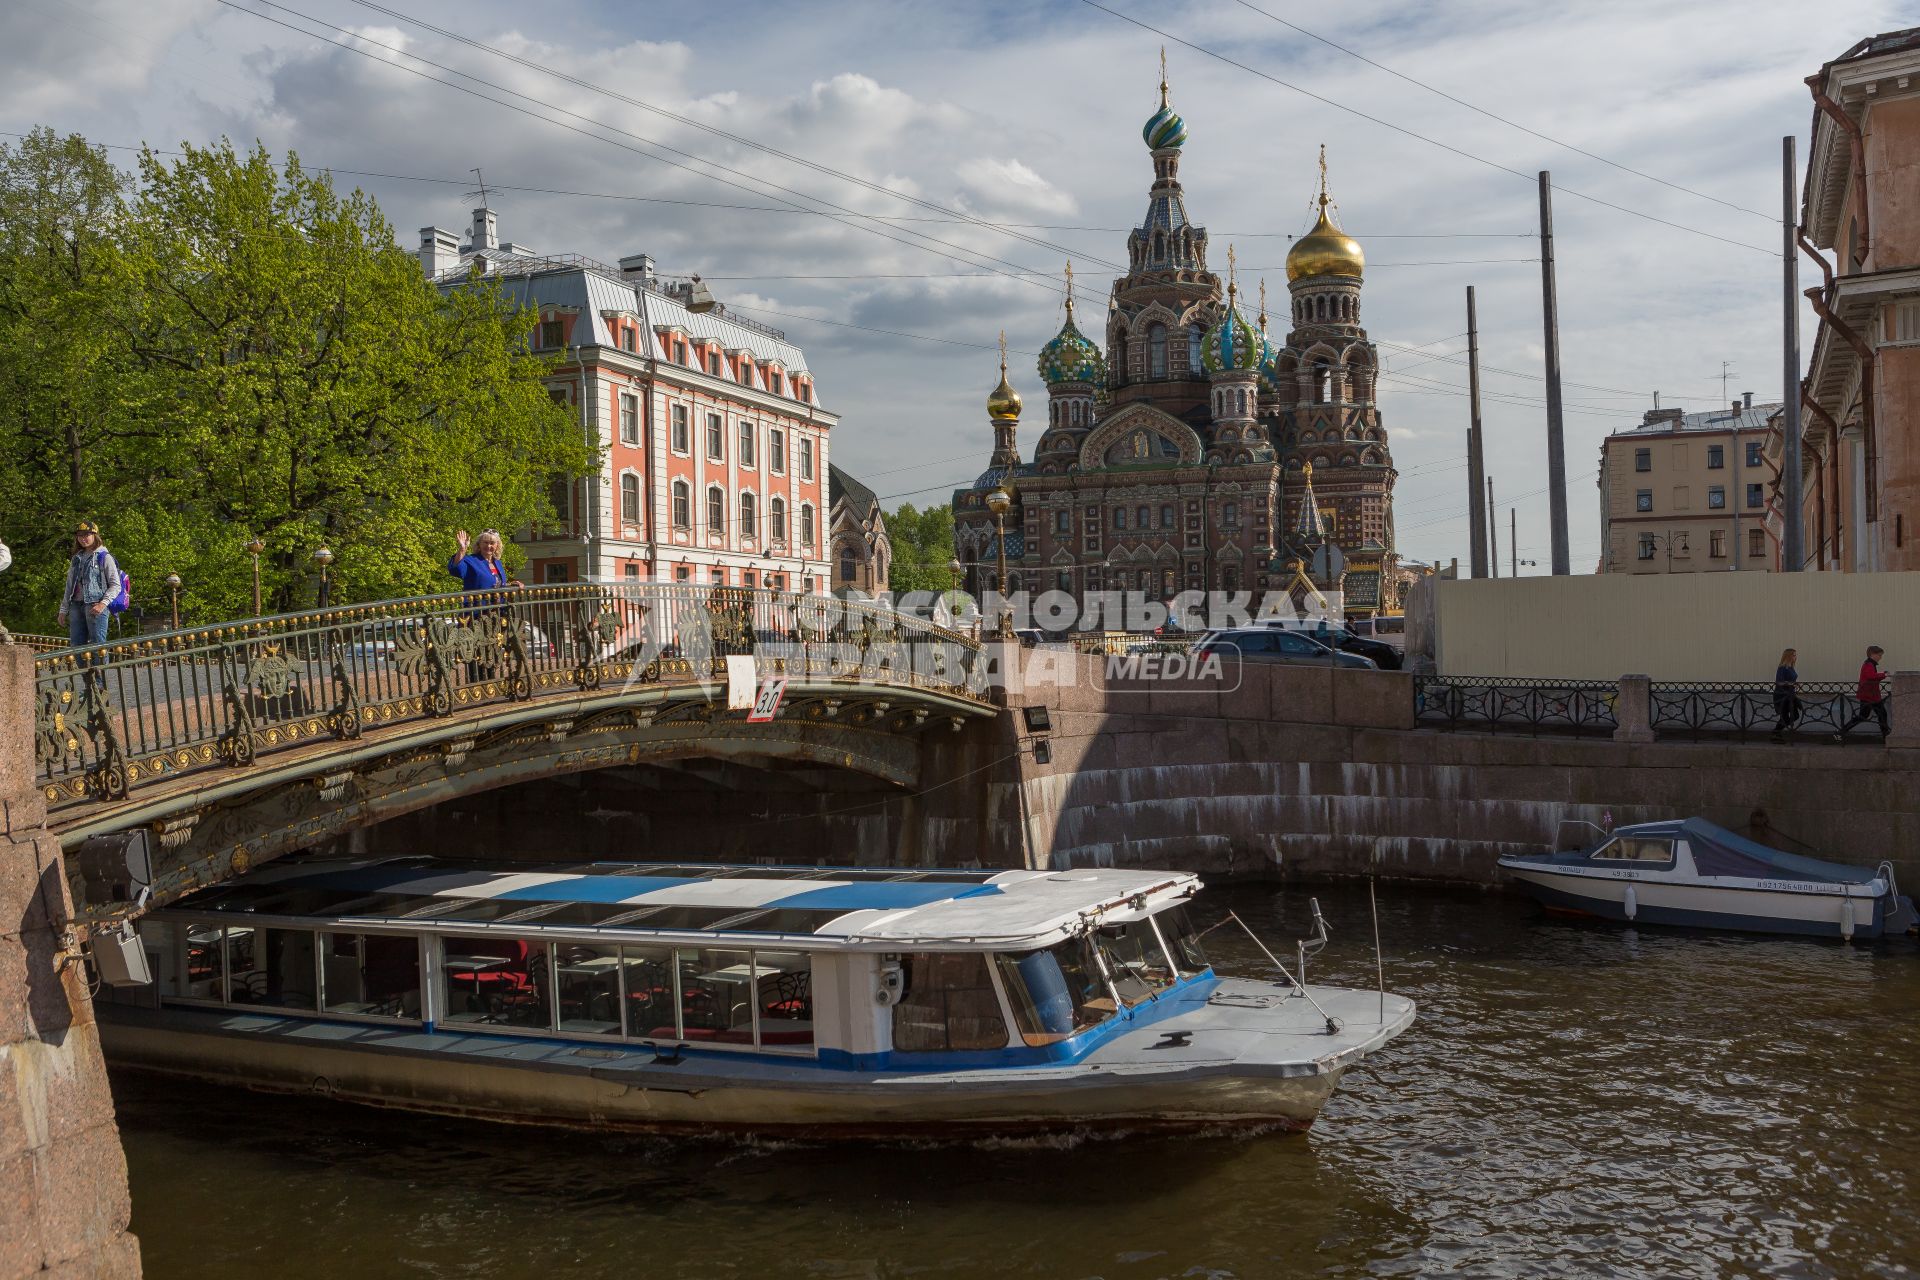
<point>1573,1101</point>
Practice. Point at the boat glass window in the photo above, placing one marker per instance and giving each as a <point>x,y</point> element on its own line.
<point>587,980</point>
<point>1135,960</point>
<point>947,1003</point>
<point>370,975</point>
<point>1635,849</point>
<point>652,1009</point>
<point>716,995</point>
<point>784,980</point>
<point>1183,942</point>
<point>270,967</point>
<point>495,982</point>
<point>1055,993</point>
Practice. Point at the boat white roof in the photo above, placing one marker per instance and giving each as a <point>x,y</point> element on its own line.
<point>865,907</point>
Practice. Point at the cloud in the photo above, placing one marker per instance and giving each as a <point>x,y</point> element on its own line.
<point>1008,186</point>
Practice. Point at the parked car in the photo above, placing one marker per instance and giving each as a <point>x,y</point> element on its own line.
<point>1275,644</point>
<point>1345,639</point>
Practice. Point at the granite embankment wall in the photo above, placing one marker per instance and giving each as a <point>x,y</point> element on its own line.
<point>63,1180</point>
<point>1308,773</point>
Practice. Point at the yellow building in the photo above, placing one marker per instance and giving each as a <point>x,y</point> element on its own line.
<point>1687,492</point>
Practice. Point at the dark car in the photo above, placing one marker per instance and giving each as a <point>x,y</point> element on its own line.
<point>1382,654</point>
<point>1271,644</point>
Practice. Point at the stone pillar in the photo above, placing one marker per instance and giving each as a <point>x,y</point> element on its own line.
<point>63,1180</point>
<point>1633,710</point>
<point>1904,710</point>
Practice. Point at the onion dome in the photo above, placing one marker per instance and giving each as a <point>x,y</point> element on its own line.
<point>1164,128</point>
<point>1326,250</point>
<point>1071,356</point>
<point>1232,343</point>
<point>1003,403</point>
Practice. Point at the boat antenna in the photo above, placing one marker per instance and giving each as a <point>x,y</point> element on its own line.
<point>1373,905</point>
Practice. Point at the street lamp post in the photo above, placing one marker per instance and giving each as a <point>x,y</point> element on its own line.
<point>324,558</point>
<point>254,549</point>
<point>1669,541</point>
<point>997,502</point>
<point>173,586</point>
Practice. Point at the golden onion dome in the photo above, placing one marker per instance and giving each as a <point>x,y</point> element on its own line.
<point>1325,251</point>
<point>1003,403</point>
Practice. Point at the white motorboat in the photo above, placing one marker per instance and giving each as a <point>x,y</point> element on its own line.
<point>1693,873</point>
<point>763,1000</point>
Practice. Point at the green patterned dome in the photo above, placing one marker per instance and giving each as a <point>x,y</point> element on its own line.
<point>1233,343</point>
<point>1072,357</point>
<point>1165,128</point>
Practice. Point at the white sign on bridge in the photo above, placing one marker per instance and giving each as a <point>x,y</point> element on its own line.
<point>767,705</point>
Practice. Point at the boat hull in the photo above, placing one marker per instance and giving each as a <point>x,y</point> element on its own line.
<point>1705,906</point>
<point>634,1089</point>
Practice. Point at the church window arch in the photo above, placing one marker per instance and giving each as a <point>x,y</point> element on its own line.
<point>1322,380</point>
<point>1159,246</point>
<point>1194,338</point>
<point>1156,350</point>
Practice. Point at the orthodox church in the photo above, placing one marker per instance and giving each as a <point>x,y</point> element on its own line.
<point>1194,450</point>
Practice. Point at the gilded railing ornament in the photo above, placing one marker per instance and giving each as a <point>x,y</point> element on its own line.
<point>53,736</point>
<point>344,719</point>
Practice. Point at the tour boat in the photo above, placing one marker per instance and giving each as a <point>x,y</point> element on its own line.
<point>1691,872</point>
<point>762,1000</point>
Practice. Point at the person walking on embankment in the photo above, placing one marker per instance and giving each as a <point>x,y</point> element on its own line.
<point>1872,695</point>
<point>479,569</point>
<point>93,583</point>
<point>6,562</point>
<point>1786,694</point>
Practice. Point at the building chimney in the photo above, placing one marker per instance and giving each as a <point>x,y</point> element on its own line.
<point>439,250</point>
<point>486,229</point>
<point>637,268</point>
<point>1747,396</point>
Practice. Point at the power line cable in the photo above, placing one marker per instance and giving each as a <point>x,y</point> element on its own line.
<point>1402,129</point>
<point>1512,124</point>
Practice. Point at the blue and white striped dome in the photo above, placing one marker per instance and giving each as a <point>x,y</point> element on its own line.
<point>1165,128</point>
<point>1233,343</point>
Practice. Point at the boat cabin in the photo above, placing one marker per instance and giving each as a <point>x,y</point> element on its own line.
<point>867,968</point>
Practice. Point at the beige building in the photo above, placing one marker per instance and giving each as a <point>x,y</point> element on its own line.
<point>1688,492</point>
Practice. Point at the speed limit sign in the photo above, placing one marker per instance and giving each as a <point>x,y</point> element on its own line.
<point>767,705</point>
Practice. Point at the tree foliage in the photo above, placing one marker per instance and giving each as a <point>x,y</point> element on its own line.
<point>922,547</point>
<point>230,348</point>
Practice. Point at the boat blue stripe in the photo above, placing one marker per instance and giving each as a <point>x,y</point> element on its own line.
<point>596,888</point>
<point>888,895</point>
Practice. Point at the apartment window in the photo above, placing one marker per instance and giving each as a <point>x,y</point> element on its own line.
<point>747,516</point>
<point>1756,495</point>
<point>716,512</point>
<point>776,384</point>
<point>682,505</point>
<point>777,520</point>
<point>1119,517</point>
<point>806,530</point>
<point>629,418</point>
<point>1646,546</point>
<point>713,363</point>
<point>719,577</point>
<point>555,572</point>
<point>630,501</point>
<point>716,438</point>
<point>776,450</point>
<point>1643,459</point>
<point>1643,500</point>
<point>558,395</point>
<point>806,458</point>
<point>680,353</point>
<point>1756,542</point>
<point>560,495</point>
<point>1063,522</point>
<point>746,444</point>
<point>1716,457</point>
<point>553,333</point>
<point>681,573</point>
<point>1716,497</point>
<point>679,414</point>
<point>1717,544</point>
<point>1755,453</point>
<point>629,340</point>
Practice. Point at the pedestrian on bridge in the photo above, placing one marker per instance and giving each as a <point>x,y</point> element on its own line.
<point>480,569</point>
<point>1872,695</point>
<point>1786,694</point>
<point>93,583</point>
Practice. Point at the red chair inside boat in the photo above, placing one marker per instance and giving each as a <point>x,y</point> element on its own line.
<point>787,995</point>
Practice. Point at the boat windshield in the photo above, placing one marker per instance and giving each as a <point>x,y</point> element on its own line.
<point>1057,992</point>
<point>1634,849</point>
<point>1183,942</point>
<point>1135,960</point>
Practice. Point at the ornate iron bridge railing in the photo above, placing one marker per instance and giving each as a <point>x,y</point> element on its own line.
<point>1496,703</point>
<point>114,717</point>
<point>1740,710</point>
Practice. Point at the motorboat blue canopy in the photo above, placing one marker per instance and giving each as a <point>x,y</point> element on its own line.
<point>1719,852</point>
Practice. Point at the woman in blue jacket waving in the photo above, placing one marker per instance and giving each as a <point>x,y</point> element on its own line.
<point>480,569</point>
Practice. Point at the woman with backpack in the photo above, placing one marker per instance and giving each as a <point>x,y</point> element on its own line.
<point>93,584</point>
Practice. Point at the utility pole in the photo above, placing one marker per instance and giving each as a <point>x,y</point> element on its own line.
<point>1556,425</point>
<point>1792,554</point>
<point>1476,452</point>
<point>1493,530</point>
<point>1513,539</point>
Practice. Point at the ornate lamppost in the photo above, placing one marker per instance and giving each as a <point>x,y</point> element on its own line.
<point>324,558</point>
<point>173,587</point>
<point>254,549</point>
<point>997,502</point>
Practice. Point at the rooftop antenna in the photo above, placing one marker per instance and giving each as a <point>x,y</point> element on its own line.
<point>1726,372</point>
<point>481,193</point>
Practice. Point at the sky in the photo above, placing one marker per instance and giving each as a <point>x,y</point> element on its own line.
<point>1029,113</point>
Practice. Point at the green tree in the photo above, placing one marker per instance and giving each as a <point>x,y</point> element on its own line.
<point>922,547</point>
